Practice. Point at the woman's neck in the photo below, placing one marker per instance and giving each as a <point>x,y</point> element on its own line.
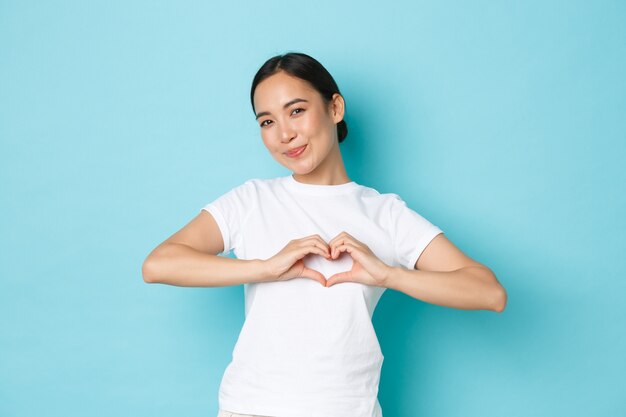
<point>332,171</point>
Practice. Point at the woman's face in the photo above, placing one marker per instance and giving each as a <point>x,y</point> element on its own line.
<point>297,127</point>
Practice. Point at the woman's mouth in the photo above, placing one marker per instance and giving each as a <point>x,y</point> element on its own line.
<point>296,152</point>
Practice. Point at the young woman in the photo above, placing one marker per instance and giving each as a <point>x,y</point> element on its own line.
<point>315,251</point>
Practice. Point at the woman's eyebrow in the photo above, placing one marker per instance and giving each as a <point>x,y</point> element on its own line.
<point>287,104</point>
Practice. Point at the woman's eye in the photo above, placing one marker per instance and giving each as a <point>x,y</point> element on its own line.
<point>295,111</point>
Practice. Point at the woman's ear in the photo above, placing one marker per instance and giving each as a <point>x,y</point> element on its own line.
<point>337,107</point>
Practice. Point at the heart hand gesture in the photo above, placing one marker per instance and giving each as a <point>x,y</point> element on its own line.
<point>367,268</point>
<point>288,263</point>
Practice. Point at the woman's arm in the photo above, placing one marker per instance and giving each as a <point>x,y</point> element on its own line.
<point>189,258</point>
<point>445,276</point>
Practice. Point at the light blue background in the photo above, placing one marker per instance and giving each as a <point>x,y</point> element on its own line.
<point>501,122</point>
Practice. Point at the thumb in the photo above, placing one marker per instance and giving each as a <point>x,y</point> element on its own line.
<point>338,278</point>
<point>314,275</point>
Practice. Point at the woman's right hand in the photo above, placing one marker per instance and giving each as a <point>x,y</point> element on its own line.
<point>288,263</point>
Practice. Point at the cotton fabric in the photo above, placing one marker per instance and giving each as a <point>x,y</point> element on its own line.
<point>306,350</point>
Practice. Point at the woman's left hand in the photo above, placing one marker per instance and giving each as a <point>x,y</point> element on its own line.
<point>367,268</point>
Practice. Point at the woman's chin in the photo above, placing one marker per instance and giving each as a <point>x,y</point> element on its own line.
<point>299,168</point>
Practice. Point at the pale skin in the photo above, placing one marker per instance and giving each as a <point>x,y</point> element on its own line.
<point>442,275</point>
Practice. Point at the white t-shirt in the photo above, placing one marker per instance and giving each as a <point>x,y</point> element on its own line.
<point>306,350</point>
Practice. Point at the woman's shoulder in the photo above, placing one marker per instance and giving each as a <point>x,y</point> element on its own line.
<point>256,185</point>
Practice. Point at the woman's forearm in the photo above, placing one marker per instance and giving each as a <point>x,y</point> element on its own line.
<point>181,265</point>
<point>470,288</point>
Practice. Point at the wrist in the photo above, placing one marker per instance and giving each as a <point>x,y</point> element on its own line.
<point>394,276</point>
<point>390,276</point>
<point>261,269</point>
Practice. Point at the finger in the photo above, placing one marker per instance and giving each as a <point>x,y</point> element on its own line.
<point>344,247</point>
<point>339,247</point>
<point>314,275</point>
<point>315,250</point>
<point>351,237</point>
<point>315,237</point>
<point>344,236</point>
<point>346,240</point>
<point>316,240</point>
<point>323,252</point>
<point>336,238</point>
<point>324,249</point>
<point>338,278</point>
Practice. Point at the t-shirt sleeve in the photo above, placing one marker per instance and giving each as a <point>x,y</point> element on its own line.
<point>410,232</point>
<point>230,211</point>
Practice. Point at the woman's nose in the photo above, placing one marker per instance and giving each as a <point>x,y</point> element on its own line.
<point>288,134</point>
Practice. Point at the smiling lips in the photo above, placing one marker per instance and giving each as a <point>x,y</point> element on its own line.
<point>295,152</point>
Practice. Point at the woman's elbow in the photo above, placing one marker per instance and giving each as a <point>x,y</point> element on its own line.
<point>149,270</point>
<point>498,299</point>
